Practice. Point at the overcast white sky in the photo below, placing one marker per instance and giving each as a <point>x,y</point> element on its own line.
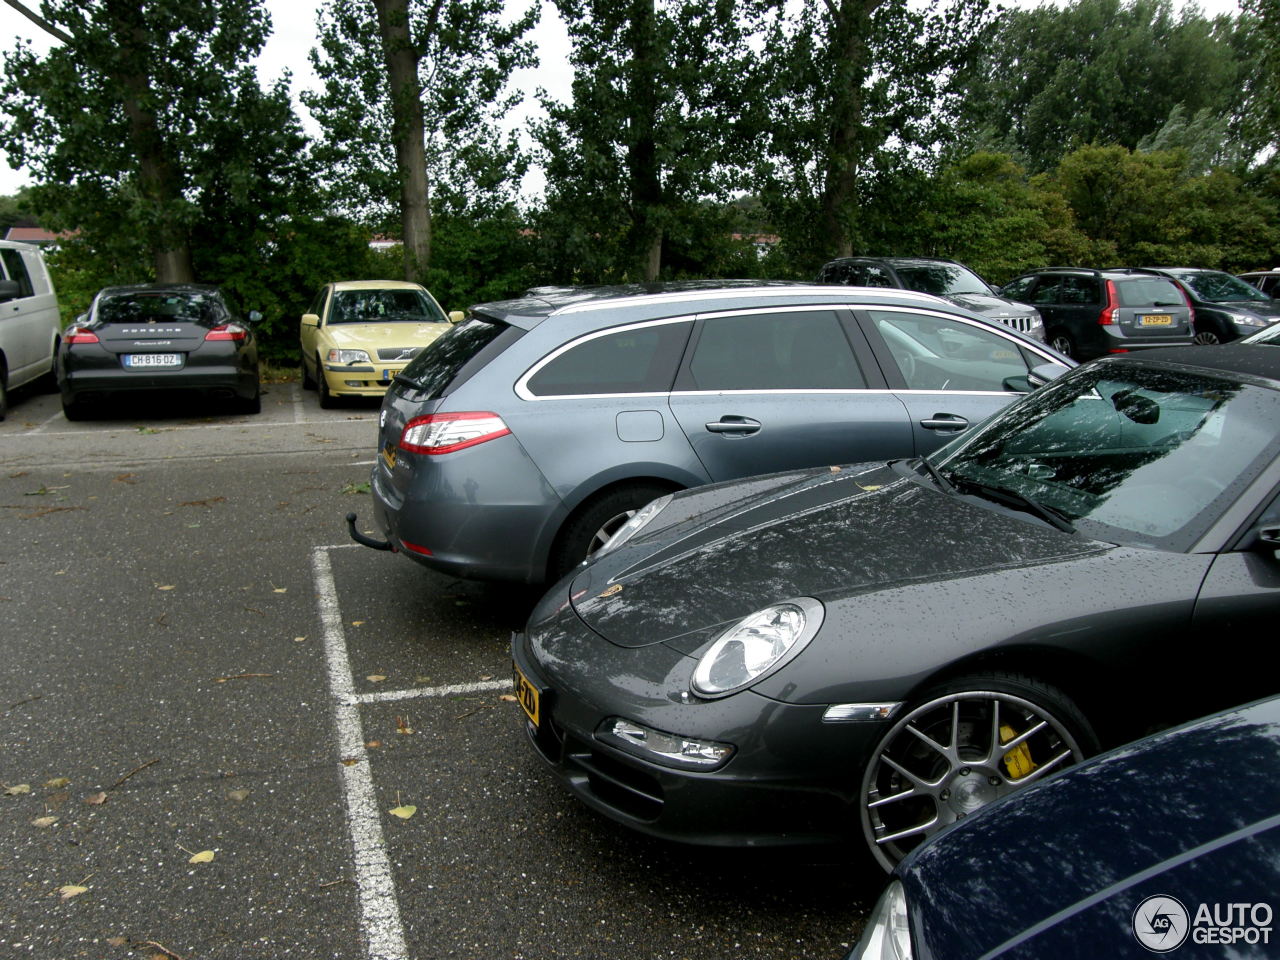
<point>295,31</point>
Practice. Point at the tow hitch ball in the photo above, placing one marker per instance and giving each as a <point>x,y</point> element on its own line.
<point>364,540</point>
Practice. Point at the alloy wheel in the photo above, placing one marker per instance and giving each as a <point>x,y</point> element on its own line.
<point>952,756</point>
<point>608,529</point>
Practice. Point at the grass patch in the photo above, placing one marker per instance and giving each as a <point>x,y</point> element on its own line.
<point>275,373</point>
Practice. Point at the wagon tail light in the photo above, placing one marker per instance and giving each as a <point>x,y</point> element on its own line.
<point>79,334</point>
<point>1108,315</point>
<point>227,331</point>
<point>439,433</point>
<point>1191,311</point>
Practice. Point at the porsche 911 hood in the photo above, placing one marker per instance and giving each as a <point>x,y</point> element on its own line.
<point>829,536</point>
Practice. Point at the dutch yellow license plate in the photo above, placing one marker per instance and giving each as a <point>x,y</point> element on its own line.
<point>527,694</point>
<point>1157,320</point>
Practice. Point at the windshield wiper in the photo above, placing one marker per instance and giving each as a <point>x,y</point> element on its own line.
<point>1013,498</point>
<point>943,483</point>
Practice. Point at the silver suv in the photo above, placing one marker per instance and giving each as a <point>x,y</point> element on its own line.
<point>516,444</point>
<point>943,278</point>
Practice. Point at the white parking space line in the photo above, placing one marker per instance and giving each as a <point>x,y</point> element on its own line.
<point>453,689</point>
<point>381,926</point>
<point>298,413</point>
<point>383,931</point>
<point>52,420</point>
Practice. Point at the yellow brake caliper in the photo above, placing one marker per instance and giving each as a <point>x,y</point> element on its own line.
<point>1018,760</point>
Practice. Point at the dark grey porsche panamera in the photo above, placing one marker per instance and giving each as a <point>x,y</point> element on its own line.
<point>876,651</point>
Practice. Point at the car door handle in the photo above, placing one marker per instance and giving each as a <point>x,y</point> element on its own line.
<point>739,425</point>
<point>945,421</point>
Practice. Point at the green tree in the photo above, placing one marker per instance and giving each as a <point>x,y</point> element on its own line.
<point>1051,79</point>
<point>412,93</point>
<point>1152,209</point>
<point>146,118</point>
<point>659,123</point>
<point>859,96</point>
<point>13,208</point>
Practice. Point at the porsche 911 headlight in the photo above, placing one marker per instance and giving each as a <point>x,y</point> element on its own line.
<point>348,356</point>
<point>757,646</point>
<point>887,935</point>
<point>637,522</point>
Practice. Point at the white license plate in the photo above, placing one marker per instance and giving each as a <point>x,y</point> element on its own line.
<point>153,360</point>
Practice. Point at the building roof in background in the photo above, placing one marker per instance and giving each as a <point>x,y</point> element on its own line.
<point>25,233</point>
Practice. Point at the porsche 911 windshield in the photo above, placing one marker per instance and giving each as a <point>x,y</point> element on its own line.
<point>1129,454</point>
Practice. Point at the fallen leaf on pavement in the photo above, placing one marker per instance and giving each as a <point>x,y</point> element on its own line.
<point>44,821</point>
<point>96,799</point>
<point>57,783</point>
<point>403,812</point>
<point>509,697</point>
<point>204,856</point>
<point>237,795</point>
<point>376,677</point>
<point>72,890</point>
<point>16,789</point>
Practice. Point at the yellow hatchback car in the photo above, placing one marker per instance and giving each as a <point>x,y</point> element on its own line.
<point>358,334</point>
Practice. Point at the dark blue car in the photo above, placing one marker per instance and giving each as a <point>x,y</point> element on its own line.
<point>1170,845</point>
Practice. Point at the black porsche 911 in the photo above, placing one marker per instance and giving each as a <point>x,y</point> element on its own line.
<point>877,651</point>
<point>158,337</point>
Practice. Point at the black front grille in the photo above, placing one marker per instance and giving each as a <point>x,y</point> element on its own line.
<point>398,353</point>
<point>621,786</point>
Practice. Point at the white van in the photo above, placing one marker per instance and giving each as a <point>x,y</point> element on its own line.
<point>30,325</point>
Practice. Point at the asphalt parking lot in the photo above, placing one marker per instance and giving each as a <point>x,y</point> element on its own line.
<point>213,702</point>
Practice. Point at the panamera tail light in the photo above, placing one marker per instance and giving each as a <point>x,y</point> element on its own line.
<point>1108,315</point>
<point>227,331</point>
<point>439,433</point>
<point>79,334</point>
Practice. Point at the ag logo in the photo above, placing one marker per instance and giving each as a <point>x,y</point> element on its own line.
<point>1161,924</point>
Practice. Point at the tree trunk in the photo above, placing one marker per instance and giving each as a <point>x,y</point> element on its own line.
<point>642,152</point>
<point>409,133</point>
<point>850,51</point>
<point>158,180</point>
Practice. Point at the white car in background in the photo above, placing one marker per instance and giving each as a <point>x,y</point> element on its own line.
<point>30,325</point>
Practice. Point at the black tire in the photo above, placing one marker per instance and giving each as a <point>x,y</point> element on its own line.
<point>1209,337</point>
<point>308,381</point>
<point>74,409</point>
<point>250,405</point>
<point>597,519</point>
<point>4,397</point>
<point>1063,343</point>
<point>911,789</point>
<point>327,400</point>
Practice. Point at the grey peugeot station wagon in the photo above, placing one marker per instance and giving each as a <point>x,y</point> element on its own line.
<point>518,443</point>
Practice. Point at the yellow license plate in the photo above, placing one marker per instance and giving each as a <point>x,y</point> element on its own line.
<point>527,694</point>
<point>389,456</point>
<point>1157,320</point>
